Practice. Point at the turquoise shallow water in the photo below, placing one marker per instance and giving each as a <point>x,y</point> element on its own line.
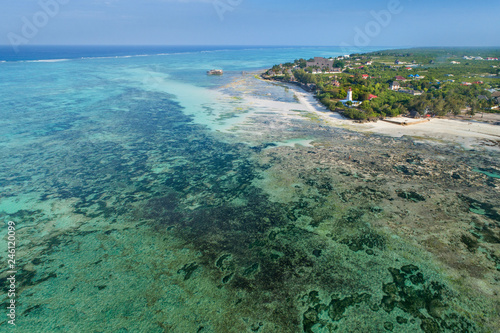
<point>134,214</point>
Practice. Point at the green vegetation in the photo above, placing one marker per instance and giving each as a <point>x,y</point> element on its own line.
<point>434,82</point>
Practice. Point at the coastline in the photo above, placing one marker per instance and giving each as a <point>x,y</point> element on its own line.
<point>468,133</point>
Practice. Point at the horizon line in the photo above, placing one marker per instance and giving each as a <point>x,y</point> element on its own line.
<point>265,45</point>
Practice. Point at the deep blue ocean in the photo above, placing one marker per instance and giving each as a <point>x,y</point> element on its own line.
<point>184,62</point>
<point>33,52</point>
<point>148,196</point>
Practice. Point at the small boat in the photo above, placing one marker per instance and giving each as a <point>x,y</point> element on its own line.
<point>215,72</point>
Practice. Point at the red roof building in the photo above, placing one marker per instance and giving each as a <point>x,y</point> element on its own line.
<point>365,76</point>
<point>400,78</point>
<point>371,97</point>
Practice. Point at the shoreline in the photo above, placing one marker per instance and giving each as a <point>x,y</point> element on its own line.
<point>468,133</point>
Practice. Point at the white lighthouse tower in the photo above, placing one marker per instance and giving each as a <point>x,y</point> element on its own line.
<point>349,95</point>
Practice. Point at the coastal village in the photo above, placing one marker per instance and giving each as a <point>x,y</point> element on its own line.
<point>418,83</point>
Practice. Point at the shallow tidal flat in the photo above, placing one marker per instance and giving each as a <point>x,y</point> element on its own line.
<point>405,226</point>
<point>156,224</point>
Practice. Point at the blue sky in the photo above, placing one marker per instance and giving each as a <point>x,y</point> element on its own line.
<point>251,22</point>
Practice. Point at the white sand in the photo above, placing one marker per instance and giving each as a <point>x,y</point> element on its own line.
<point>469,134</point>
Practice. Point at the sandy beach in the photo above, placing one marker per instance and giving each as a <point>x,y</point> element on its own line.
<point>470,134</point>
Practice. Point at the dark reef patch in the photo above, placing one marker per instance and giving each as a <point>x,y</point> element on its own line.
<point>23,217</point>
<point>481,208</point>
<point>366,241</point>
<point>317,311</point>
<point>471,243</point>
<point>188,270</point>
<point>410,195</point>
<point>227,278</point>
<point>409,291</point>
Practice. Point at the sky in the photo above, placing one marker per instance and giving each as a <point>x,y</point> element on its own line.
<point>251,22</point>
